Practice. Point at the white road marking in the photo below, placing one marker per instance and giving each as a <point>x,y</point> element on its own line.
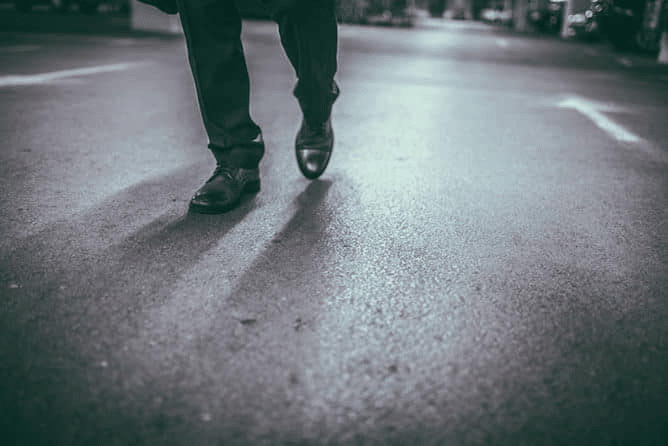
<point>592,110</point>
<point>624,61</point>
<point>19,48</point>
<point>35,79</point>
<point>501,43</point>
<point>123,42</point>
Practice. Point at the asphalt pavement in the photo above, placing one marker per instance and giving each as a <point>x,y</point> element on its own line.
<point>483,262</point>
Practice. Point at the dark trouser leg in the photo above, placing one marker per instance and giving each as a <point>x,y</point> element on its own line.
<point>309,36</point>
<point>213,35</point>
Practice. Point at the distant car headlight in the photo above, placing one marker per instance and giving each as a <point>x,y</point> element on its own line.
<point>589,14</point>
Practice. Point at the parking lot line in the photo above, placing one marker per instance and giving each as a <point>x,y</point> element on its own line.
<point>19,48</point>
<point>591,111</point>
<point>624,61</point>
<point>34,79</point>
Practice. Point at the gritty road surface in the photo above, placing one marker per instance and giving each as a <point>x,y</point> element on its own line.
<point>483,263</point>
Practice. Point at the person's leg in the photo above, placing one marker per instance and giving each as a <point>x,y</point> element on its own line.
<point>309,36</point>
<point>213,36</point>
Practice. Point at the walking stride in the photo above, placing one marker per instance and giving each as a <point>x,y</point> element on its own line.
<point>308,32</point>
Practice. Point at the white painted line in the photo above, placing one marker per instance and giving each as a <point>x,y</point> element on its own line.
<point>502,43</point>
<point>34,79</point>
<point>624,61</point>
<point>123,42</point>
<point>590,110</point>
<point>19,48</point>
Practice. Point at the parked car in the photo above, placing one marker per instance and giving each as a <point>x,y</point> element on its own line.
<point>497,16</point>
<point>584,21</point>
<point>621,21</point>
<point>546,15</point>
<point>378,12</point>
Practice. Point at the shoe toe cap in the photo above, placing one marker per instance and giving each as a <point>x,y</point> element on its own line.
<point>214,198</point>
<point>313,162</point>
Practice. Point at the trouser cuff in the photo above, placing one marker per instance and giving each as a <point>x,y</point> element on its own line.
<point>246,156</point>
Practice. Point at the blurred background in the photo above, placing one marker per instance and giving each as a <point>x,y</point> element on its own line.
<point>629,25</point>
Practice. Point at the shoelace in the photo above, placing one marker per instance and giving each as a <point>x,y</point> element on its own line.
<point>222,171</point>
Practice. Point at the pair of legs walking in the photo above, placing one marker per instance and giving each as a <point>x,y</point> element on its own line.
<point>308,32</point>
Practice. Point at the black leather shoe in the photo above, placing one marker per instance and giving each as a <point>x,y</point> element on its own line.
<point>236,173</point>
<point>314,146</point>
<point>223,191</point>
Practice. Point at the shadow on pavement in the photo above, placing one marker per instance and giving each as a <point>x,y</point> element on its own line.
<point>291,261</point>
<point>72,292</point>
<point>81,289</point>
